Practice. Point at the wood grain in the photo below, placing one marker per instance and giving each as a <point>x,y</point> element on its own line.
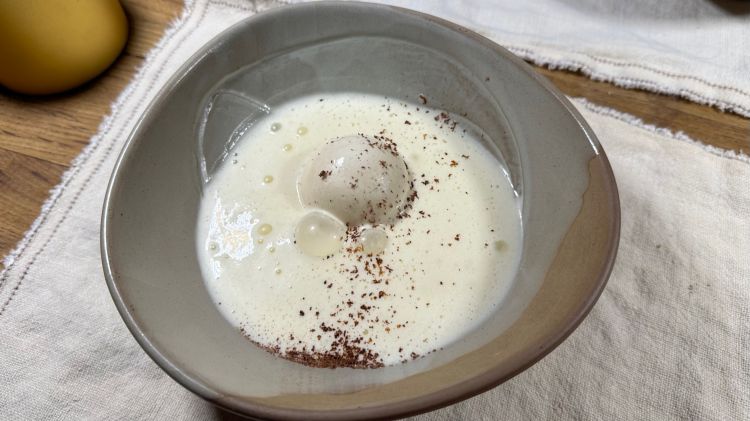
<point>39,137</point>
<point>706,124</point>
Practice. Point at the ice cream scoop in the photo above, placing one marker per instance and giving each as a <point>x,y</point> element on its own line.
<point>358,179</point>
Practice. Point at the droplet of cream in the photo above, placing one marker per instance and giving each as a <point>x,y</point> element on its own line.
<point>302,131</point>
<point>287,147</point>
<point>373,240</point>
<point>501,245</point>
<point>271,249</point>
<point>268,179</point>
<point>259,241</point>
<point>277,271</point>
<point>275,127</point>
<point>319,234</point>
<point>265,229</point>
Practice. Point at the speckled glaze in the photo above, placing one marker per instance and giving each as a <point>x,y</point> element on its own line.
<point>570,208</point>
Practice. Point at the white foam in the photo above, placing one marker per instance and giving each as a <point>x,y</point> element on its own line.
<point>439,275</point>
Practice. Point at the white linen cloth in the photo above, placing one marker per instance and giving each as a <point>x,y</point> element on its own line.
<point>669,338</point>
<point>697,49</point>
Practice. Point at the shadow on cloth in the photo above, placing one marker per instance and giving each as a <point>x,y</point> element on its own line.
<point>664,10</point>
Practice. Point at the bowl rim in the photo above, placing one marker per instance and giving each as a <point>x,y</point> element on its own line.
<point>433,401</point>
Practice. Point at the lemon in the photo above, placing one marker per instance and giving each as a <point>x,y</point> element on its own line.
<point>49,46</point>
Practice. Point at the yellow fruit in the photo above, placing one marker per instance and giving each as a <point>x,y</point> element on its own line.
<point>49,46</point>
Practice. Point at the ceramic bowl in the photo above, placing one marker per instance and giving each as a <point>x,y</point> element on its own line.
<point>570,208</point>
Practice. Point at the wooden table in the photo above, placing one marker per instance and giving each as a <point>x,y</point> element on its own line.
<point>39,137</point>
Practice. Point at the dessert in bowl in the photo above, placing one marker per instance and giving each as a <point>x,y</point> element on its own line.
<point>358,250</point>
<point>363,188</point>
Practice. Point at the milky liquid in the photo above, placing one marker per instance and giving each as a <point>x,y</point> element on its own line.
<point>423,281</point>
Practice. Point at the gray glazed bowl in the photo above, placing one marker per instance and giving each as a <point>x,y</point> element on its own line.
<point>570,208</point>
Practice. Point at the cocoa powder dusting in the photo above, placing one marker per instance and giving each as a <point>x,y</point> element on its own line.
<point>333,344</point>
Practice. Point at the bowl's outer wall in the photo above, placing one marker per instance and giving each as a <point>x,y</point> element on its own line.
<point>571,217</point>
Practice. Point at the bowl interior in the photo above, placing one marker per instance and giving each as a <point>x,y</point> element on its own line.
<point>569,206</point>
